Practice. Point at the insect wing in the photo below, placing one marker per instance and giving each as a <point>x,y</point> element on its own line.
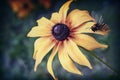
<point>100,20</point>
<point>97,16</point>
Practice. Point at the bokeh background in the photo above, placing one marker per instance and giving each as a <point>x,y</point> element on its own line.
<point>16,50</point>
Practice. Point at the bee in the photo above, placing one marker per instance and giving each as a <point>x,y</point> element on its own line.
<point>99,26</point>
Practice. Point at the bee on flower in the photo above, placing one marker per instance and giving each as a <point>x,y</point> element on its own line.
<point>99,26</point>
<point>63,34</point>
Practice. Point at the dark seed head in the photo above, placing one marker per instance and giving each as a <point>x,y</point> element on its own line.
<point>60,32</point>
<point>25,6</point>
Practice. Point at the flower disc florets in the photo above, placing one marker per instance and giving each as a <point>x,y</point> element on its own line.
<point>60,31</point>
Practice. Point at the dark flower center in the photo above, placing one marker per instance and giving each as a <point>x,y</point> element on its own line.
<point>25,6</point>
<point>60,31</point>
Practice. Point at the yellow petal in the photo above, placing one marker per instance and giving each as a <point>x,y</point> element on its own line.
<point>76,55</point>
<point>87,42</point>
<point>44,22</point>
<point>86,28</point>
<point>42,51</point>
<point>78,17</point>
<point>49,64</point>
<point>39,31</point>
<point>65,60</point>
<point>63,10</point>
<point>41,44</point>
<point>56,18</point>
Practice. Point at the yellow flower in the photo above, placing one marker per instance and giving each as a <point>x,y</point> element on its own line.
<point>21,7</point>
<point>63,33</point>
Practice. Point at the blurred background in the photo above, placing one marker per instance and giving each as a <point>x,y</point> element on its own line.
<point>17,17</point>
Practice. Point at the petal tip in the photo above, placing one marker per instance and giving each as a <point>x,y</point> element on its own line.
<point>35,69</point>
<point>104,46</point>
<point>28,35</point>
<point>90,67</point>
<point>80,73</point>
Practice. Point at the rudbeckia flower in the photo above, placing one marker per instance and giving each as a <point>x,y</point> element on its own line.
<point>62,33</point>
<point>46,3</point>
<point>21,7</point>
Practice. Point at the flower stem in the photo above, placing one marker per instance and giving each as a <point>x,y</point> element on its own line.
<point>95,56</point>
